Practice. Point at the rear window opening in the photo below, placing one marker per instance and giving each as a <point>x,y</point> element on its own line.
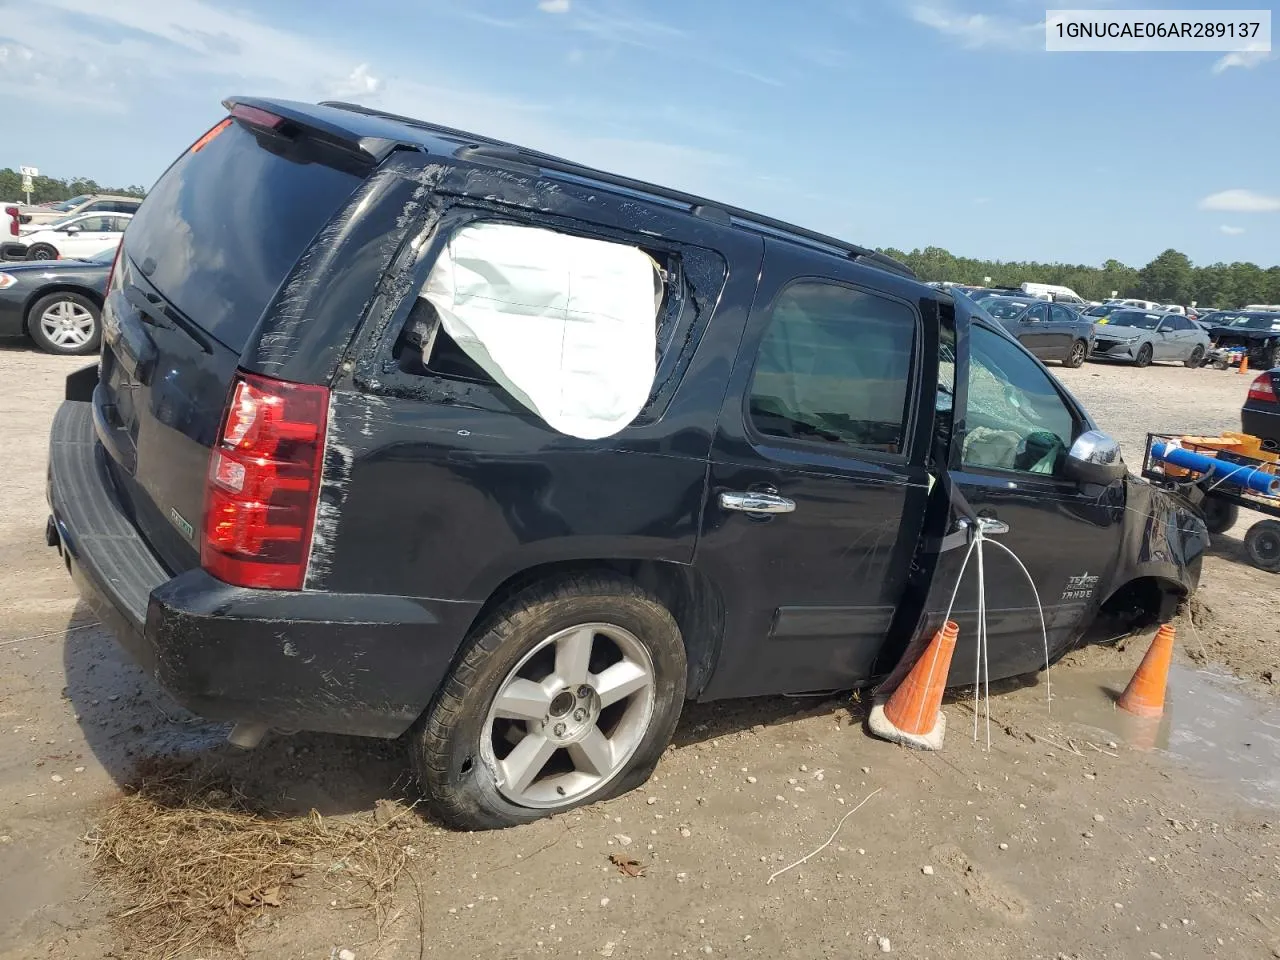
<point>574,329</point>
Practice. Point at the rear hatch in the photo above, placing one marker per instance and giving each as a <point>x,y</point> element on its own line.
<point>201,262</point>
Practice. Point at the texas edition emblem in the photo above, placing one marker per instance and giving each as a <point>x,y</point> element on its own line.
<point>1080,588</point>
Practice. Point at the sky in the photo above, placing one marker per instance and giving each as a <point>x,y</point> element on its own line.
<point>903,123</point>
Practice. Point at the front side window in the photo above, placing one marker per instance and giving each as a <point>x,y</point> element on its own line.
<point>1016,420</point>
<point>1036,313</point>
<point>834,367</point>
<point>91,224</point>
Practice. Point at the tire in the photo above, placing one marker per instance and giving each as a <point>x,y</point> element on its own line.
<point>41,251</point>
<point>1076,355</point>
<point>1219,515</point>
<point>1262,543</point>
<point>1274,357</point>
<point>1143,359</point>
<point>1196,360</point>
<point>462,742</point>
<point>65,323</point>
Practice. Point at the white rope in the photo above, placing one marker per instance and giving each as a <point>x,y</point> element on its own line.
<point>1044,629</point>
<point>792,866</point>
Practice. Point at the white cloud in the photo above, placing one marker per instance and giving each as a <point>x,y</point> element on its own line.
<point>553,6</point>
<point>1241,201</point>
<point>356,85</point>
<point>976,30</point>
<point>1245,59</point>
<point>981,200</point>
<point>1231,231</point>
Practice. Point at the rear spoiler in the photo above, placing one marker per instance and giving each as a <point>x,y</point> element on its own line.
<point>283,118</point>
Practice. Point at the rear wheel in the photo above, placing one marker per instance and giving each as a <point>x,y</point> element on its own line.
<point>1196,360</point>
<point>65,323</point>
<point>568,694</point>
<point>1143,359</point>
<point>1079,350</point>
<point>1262,542</point>
<point>41,251</point>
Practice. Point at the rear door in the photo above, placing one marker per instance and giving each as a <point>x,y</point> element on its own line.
<point>1033,330</point>
<point>201,261</point>
<point>816,495</point>
<point>1062,329</point>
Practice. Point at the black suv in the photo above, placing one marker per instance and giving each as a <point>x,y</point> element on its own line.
<point>303,503</point>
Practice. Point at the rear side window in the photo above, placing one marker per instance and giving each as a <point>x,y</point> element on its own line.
<point>225,225</point>
<point>834,367</point>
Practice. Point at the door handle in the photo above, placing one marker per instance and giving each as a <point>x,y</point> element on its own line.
<point>991,527</point>
<point>756,502</point>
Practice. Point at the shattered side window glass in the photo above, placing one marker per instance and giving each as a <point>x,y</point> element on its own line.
<point>567,325</point>
<point>1015,419</point>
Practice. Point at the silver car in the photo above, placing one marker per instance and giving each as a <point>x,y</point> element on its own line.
<point>1140,337</point>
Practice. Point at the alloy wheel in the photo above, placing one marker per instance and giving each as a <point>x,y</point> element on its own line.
<point>570,716</point>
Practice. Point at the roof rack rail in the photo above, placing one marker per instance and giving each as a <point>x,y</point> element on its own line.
<point>489,148</point>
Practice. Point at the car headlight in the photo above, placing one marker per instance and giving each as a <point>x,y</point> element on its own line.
<point>7,280</point>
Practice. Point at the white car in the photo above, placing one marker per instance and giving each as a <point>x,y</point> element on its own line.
<point>83,235</point>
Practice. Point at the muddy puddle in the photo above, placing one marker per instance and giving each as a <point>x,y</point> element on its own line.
<point>1210,722</point>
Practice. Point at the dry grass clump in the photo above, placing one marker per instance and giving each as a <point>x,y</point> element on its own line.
<point>195,864</point>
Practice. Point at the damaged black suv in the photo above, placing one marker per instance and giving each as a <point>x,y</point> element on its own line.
<point>400,430</point>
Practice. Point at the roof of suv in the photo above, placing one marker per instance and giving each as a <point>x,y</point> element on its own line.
<point>376,134</point>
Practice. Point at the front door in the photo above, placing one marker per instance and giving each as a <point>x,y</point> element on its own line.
<point>1034,332</point>
<point>1007,459</point>
<point>816,493</point>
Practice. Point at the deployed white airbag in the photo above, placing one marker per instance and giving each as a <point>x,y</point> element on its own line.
<point>566,324</point>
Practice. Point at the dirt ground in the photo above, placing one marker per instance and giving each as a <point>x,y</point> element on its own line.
<point>1074,836</point>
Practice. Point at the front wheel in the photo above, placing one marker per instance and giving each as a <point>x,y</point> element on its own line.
<point>1075,358</point>
<point>566,695</point>
<point>1219,515</point>
<point>1262,543</point>
<point>1143,359</point>
<point>41,251</point>
<point>1196,360</point>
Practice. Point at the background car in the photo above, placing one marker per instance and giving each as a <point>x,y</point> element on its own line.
<point>1141,336</point>
<point>1052,331</point>
<point>1260,416</point>
<point>83,235</point>
<point>1256,331</point>
<point>85,203</point>
<point>58,303</point>
<point>1099,313</point>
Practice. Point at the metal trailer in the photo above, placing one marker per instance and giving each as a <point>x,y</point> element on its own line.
<point>1220,500</point>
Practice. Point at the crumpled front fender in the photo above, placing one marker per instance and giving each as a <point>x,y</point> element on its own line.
<point>1164,537</point>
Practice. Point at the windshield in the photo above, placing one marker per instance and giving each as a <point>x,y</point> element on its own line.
<point>1134,318</point>
<point>1105,310</point>
<point>1249,321</point>
<point>72,203</point>
<point>1002,308</point>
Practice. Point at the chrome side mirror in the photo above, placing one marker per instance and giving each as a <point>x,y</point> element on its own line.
<point>1095,458</point>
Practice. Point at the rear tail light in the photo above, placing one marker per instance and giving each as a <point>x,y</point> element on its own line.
<point>115,262</point>
<point>14,220</point>
<point>1262,389</point>
<point>264,478</point>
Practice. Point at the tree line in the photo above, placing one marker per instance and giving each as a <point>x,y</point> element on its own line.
<point>1169,278</point>
<point>46,189</point>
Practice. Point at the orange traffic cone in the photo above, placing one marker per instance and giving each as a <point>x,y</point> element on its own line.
<point>1244,363</point>
<point>1144,696</point>
<point>911,716</point>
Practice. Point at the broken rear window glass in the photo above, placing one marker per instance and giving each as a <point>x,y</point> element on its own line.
<point>566,325</point>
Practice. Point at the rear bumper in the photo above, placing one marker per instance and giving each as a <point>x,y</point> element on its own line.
<point>341,663</point>
<point>1261,423</point>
